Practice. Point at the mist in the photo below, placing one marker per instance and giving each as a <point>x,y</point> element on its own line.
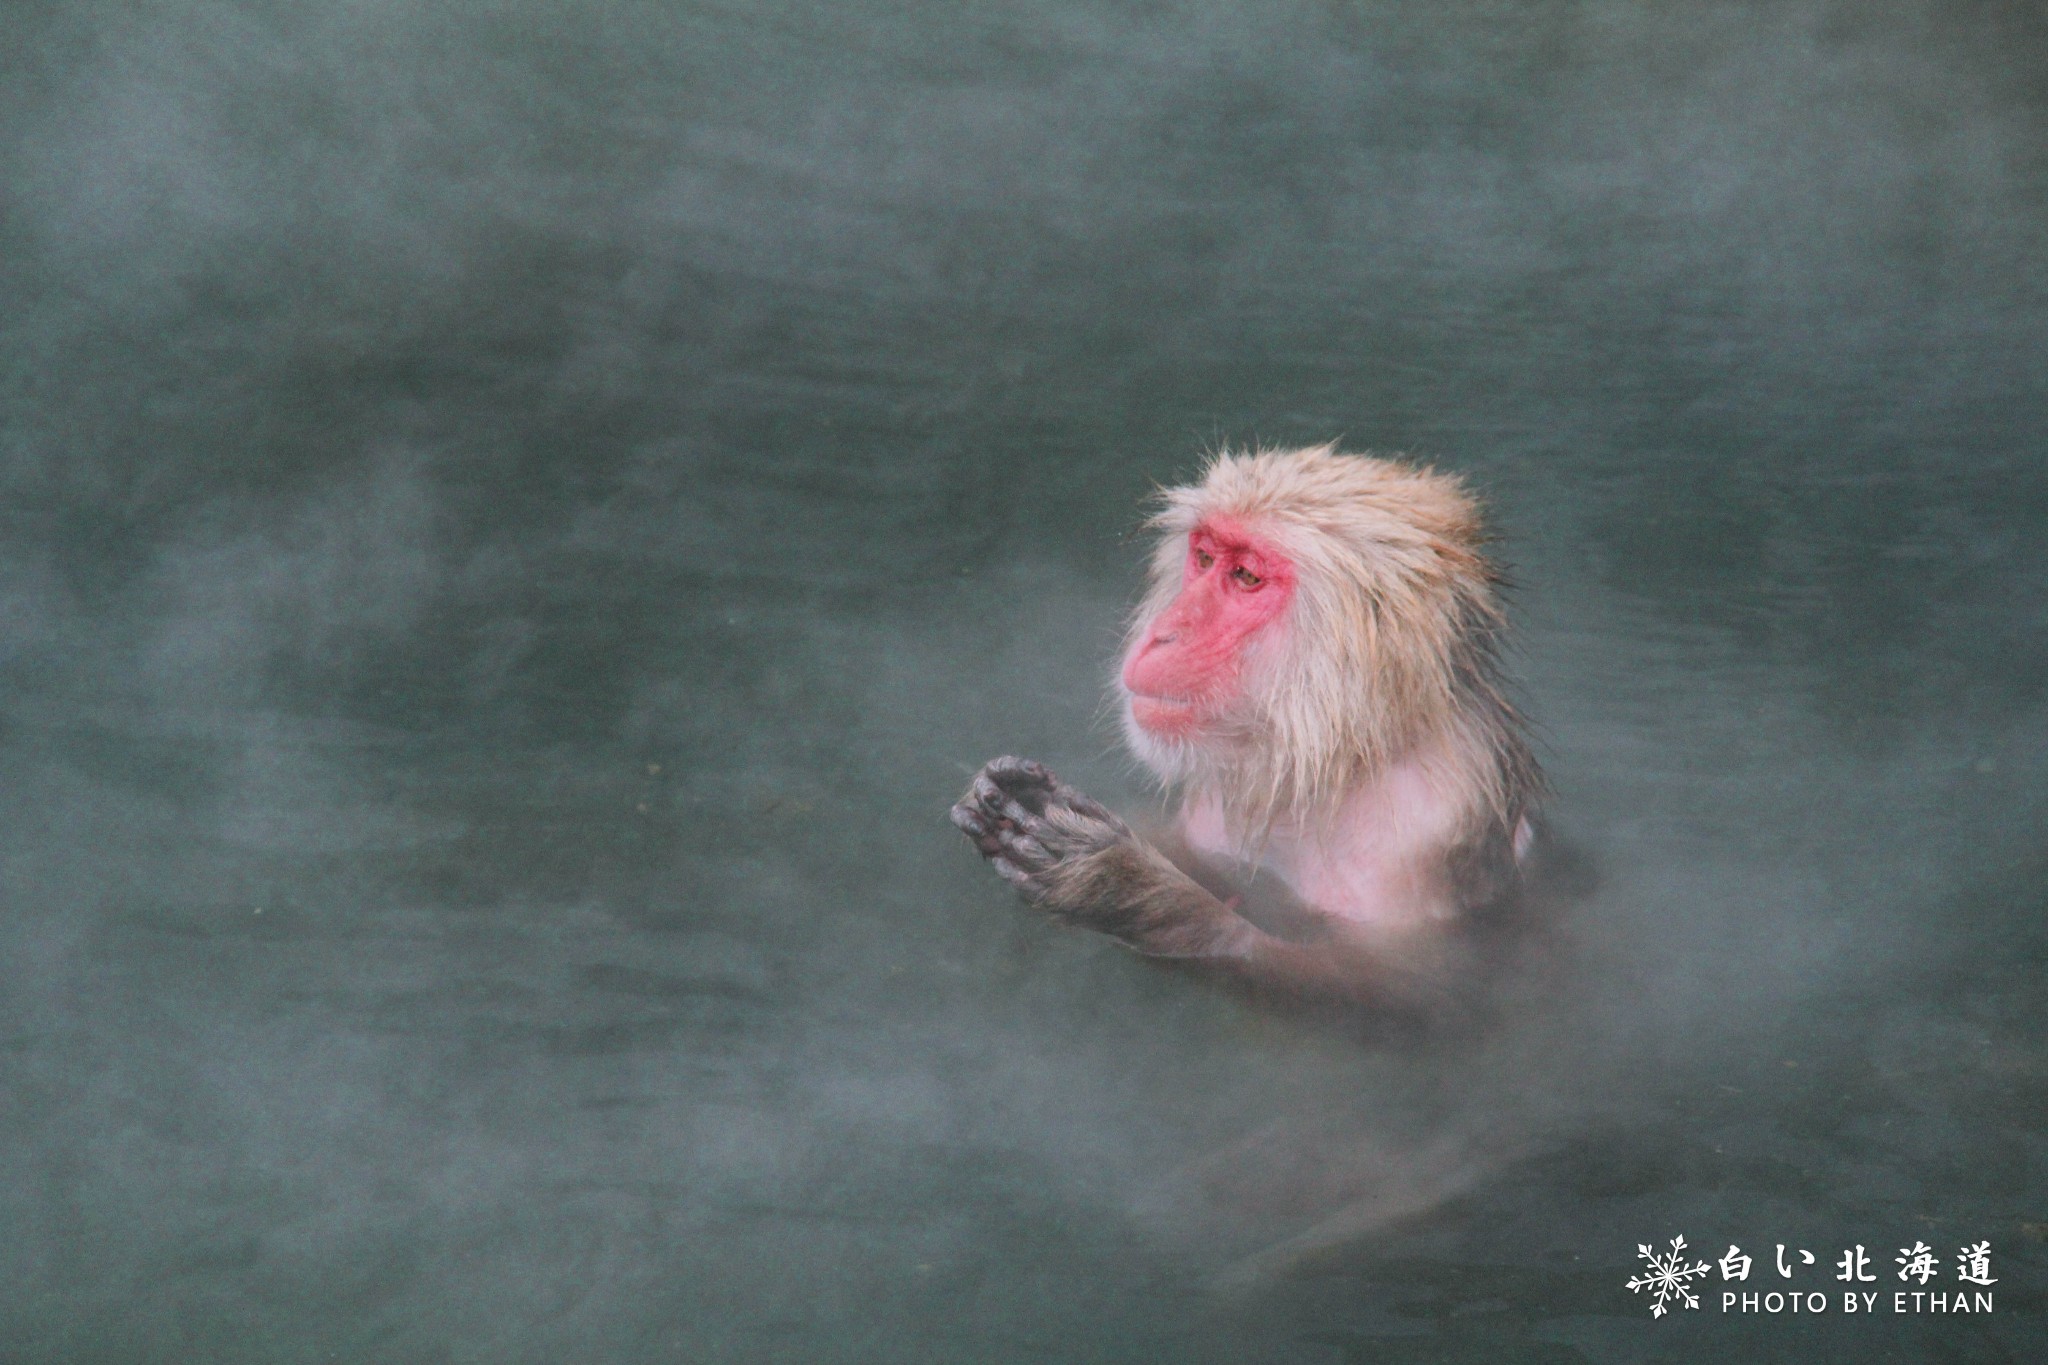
<point>520,518</point>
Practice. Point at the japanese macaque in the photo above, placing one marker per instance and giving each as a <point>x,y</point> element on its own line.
<point>1314,672</point>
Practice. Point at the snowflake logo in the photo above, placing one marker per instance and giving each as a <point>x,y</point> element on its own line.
<point>1667,1276</point>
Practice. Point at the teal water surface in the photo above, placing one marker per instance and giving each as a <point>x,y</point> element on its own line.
<point>520,518</point>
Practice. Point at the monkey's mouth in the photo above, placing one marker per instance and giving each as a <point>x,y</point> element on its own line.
<point>1165,715</point>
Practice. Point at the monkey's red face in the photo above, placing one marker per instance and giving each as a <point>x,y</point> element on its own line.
<point>1188,662</point>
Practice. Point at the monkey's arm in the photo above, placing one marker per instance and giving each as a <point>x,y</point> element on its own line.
<point>1074,859</point>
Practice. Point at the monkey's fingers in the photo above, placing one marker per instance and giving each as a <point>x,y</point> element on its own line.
<point>1033,786</point>
<point>1004,847</point>
<point>1068,821</point>
<point>968,820</point>
<point>1009,765</point>
<point>1087,807</point>
<point>1000,810</point>
<point>1028,828</point>
<point>1026,852</point>
<point>1023,780</point>
<point>988,800</point>
<point>1011,873</point>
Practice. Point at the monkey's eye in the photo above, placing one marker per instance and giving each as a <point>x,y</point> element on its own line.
<point>1204,559</point>
<point>1245,578</point>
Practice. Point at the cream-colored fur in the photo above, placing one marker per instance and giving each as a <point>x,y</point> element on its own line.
<point>1371,737</point>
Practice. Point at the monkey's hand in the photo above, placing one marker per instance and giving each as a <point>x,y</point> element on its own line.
<point>1075,860</point>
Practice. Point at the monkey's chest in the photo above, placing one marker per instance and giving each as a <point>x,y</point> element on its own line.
<point>1377,865</point>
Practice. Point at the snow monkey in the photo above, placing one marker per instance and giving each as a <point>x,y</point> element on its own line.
<point>1314,671</point>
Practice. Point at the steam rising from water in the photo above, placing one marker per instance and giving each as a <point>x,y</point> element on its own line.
<point>519,521</point>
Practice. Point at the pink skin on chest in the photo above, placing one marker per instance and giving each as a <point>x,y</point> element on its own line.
<point>1375,867</point>
<point>1234,584</point>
